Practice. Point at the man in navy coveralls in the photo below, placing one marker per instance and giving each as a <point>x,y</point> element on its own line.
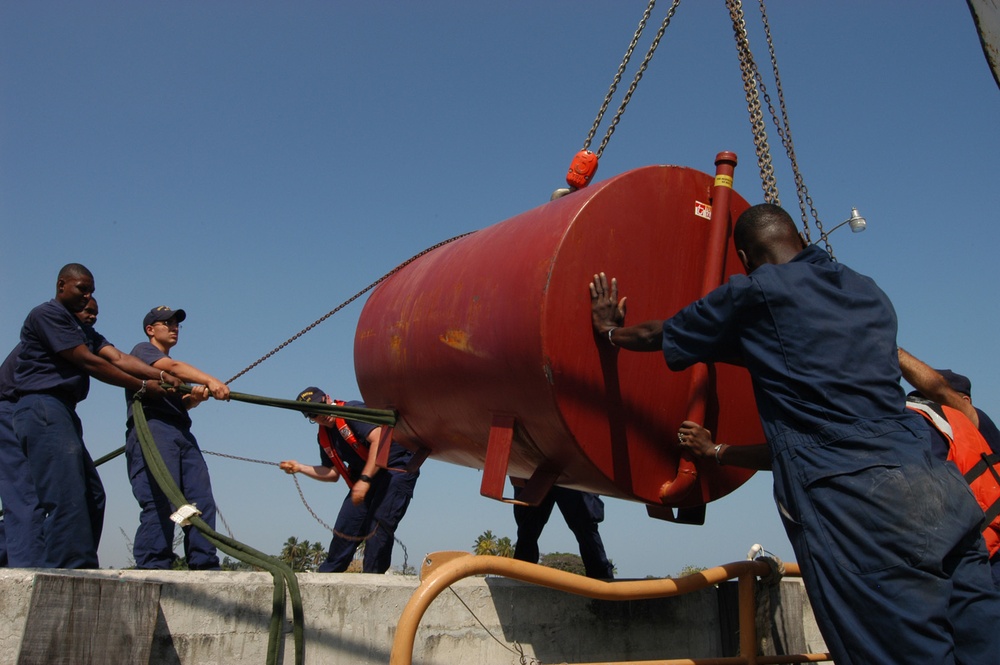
<point>583,511</point>
<point>57,358</point>
<point>378,498</point>
<point>23,516</point>
<point>170,425</point>
<point>887,536</point>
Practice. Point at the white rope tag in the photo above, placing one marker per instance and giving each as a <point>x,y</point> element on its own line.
<point>183,513</point>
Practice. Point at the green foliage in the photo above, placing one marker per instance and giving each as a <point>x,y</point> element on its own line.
<point>301,555</point>
<point>690,570</point>
<point>489,544</point>
<point>234,565</point>
<point>571,563</point>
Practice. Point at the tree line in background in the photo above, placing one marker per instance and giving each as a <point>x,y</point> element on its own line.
<point>303,556</point>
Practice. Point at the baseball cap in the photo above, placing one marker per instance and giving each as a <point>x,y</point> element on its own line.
<point>958,382</point>
<point>311,394</point>
<point>163,313</point>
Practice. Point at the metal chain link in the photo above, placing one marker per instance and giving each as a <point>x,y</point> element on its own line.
<point>753,85</point>
<point>302,496</point>
<point>785,132</point>
<point>748,69</point>
<point>638,76</point>
<point>618,74</point>
<point>343,305</point>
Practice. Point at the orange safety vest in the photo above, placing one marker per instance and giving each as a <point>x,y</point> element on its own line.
<point>348,436</point>
<point>974,458</point>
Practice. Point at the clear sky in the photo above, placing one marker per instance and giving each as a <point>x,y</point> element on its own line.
<point>257,163</point>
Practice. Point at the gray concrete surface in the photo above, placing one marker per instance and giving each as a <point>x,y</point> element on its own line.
<point>223,618</point>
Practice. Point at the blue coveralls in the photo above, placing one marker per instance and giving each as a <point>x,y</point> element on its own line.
<point>49,431</point>
<point>22,515</point>
<point>582,511</point>
<point>374,521</point>
<point>886,536</point>
<point>170,426</point>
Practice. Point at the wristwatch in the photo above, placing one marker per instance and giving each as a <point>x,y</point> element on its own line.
<point>365,478</point>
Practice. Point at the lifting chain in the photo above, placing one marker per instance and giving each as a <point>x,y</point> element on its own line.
<point>750,77</point>
<point>785,132</point>
<point>635,79</point>
<point>752,82</point>
<point>343,305</point>
<point>584,164</point>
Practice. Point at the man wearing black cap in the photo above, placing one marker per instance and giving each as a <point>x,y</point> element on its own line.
<point>951,389</point>
<point>962,434</point>
<point>378,498</point>
<point>170,425</point>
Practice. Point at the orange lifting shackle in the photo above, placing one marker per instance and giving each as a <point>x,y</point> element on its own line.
<point>581,169</point>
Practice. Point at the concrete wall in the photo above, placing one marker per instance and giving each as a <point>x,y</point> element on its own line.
<point>209,618</point>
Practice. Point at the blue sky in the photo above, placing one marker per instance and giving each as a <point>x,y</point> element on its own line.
<point>258,163</point>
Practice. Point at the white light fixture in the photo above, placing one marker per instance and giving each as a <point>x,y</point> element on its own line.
<point>857,222</point>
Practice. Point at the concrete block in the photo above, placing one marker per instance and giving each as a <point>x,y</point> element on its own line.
<point>222,618</point>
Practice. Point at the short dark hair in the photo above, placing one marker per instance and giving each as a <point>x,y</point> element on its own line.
<point>757,219</point>
<point>75,270</point>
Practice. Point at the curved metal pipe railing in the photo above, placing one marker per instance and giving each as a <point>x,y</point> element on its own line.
<point>442,569</point>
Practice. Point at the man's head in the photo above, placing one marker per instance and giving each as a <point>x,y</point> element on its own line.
<point>74,286</point>
<point>959,383</point>
<point>162,326</point>
<point>316,396</point>
<point>765,233</point>
<point>88,315</point>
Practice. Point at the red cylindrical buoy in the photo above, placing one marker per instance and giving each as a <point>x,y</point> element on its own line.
<point>485,347</point>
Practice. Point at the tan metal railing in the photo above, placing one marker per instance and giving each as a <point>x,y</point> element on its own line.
<point>442,569</point>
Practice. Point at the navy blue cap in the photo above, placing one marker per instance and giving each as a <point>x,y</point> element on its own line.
<point>311,394</point>
<point>958,382</point>
<point>163,313</point>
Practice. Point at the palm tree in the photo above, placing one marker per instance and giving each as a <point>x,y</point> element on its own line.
<point>292,551</point>
<point>491,545</point>
<point>315,556</point>
<point>486,543</point>
<point>505,548</point>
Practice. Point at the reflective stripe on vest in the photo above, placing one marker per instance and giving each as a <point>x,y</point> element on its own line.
<point>974,458</point>
<point>361,448</point>
<point>331,452</point>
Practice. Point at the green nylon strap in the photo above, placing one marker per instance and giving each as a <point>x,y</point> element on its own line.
<point>280,572</point>
<point>359,413</point>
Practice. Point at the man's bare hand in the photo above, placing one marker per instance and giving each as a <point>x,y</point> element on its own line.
<point>606,310</point>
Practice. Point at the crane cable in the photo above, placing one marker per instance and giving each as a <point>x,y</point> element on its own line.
<point>584,163</point>
<point>752,83</point>
<point>635,80</point>
<point>343,305</point>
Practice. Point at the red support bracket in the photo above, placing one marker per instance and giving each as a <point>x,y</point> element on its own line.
<point>384,442</point>
<point>497,457</point>
<point>419,456</point>
<point>537,487</point>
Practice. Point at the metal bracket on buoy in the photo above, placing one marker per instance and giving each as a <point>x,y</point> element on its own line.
<point>498,449</point>
<point>497,457</point>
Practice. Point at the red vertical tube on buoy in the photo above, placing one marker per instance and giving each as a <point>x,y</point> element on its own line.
<point>488,339</point>
<point>715,253</point>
